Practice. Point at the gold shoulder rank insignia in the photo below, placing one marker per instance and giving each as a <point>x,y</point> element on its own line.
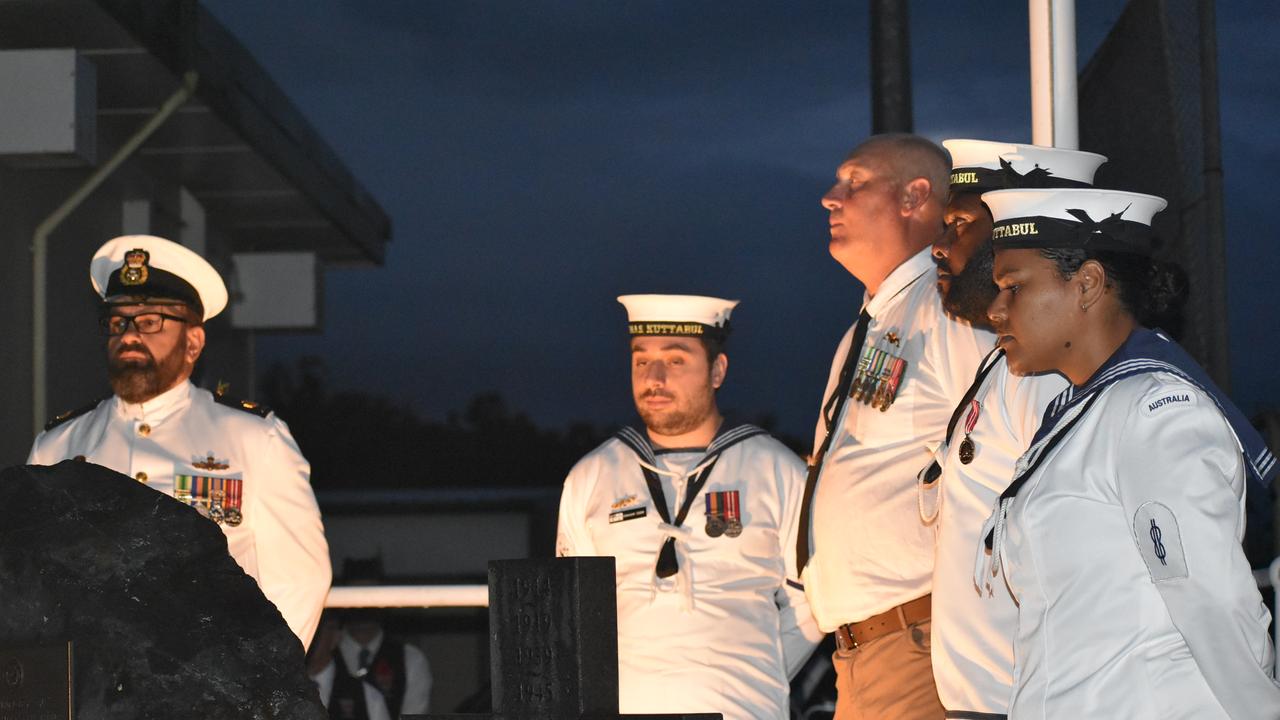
<point>246,405</point>
<point>61,418</point>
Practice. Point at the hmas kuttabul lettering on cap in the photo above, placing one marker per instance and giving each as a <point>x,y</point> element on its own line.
<point>679,315</point>
<point>1083,218</point>
<point>982,165</point>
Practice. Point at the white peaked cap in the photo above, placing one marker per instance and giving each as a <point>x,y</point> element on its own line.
<point>1099,204</point>
<point>1075,166</point>
<point>144,267</point>
<point>676,314</point>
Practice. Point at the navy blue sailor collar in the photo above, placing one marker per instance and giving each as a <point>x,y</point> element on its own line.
<point>728,435</point>
<point>1146,351</point>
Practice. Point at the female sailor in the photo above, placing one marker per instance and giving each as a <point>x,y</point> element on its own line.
<point>1120,535</point>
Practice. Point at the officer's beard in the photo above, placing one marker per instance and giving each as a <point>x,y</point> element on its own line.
<point>972,291</point>
<point>683,416</point>
<point>137,381</point>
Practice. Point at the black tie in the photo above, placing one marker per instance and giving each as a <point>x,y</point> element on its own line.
<point>830,415</point>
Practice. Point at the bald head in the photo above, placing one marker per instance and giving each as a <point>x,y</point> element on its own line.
<point>887,204</point>
<point>904,157</point>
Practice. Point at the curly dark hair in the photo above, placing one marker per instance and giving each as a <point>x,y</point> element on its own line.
<point>1153,291</point>
<point>714,346</point>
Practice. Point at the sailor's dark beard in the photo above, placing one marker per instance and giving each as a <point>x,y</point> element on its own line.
<point>137,381</point>
<point>972,291</point>
<point>684,417</point>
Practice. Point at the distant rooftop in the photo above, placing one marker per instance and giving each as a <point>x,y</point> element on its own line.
<point>264,176</point>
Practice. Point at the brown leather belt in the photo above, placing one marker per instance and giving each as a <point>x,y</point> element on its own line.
<point>901,617</point>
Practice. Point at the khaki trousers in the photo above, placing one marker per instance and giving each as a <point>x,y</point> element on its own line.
<point>889,678</point>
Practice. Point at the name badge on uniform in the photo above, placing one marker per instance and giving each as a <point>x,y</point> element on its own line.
<point>878,376</point>
<point>618,516</point>
<point>724,514</point>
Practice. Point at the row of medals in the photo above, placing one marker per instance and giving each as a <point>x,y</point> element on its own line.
<point>723,514</point>
<point>212,508</point>
<point>877,378</point>
<point>718,525</point>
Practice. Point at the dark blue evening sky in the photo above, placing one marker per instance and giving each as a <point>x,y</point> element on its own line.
<point>538,159</point>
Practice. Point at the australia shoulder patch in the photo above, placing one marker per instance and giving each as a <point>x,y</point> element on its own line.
<point>248,406</point>
<point>1168,398</point>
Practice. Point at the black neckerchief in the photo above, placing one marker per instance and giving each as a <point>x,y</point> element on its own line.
<point>667,564</point>
<point>1049,443</point>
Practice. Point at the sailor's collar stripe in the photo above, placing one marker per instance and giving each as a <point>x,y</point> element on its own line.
<point>1262,464</point>
<point>732,437</point>
<point>641,446</point>
<point>638,444</point>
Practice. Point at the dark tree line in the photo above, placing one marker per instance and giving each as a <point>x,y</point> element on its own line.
<point>357,440</point>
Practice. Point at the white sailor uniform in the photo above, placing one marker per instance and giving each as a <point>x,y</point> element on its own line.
<point>870,550</point>
<point>972,648</point>
<point>244,457</point>
<point>726,632</point>
<point>1123,552</point>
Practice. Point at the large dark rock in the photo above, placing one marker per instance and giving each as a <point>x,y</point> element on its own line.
<point>165,623</point>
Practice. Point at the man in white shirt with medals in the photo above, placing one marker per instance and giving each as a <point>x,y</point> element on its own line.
<point>234,462</point>
<point>990,427</point>
<point>897,374</point>
<point>700,516</point>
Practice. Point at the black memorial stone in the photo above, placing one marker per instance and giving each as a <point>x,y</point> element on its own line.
<point>553,642</point>
<point>553,637</point>
<point>165,624</point>
<point>36,683</point>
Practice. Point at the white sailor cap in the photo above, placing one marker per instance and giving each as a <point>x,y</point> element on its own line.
<point>982,165</point>
<point>1073,218</point>
<point>133,269</point>
<point>689,315</point>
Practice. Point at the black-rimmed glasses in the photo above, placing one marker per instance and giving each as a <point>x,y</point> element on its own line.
<point>145,323</point>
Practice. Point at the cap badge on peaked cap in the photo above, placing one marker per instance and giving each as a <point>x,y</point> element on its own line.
<point>134,270</point>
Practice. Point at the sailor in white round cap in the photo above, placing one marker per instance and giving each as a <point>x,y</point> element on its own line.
<point>234,462</point>
<point>1119,536</point>
<point>700,515</point>
<point>990,426</point>
<point>979,166</point>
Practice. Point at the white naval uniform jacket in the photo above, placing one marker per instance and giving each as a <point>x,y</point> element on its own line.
<point>731,644</point>
<point>972,633</point>
<point>870,550</point>
<point>280,540</point>
<point>1123,551</point>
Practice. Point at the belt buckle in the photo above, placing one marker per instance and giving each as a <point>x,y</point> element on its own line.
<point>845,639</point>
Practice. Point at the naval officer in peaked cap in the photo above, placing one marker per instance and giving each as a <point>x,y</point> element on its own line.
<point>990,426</point>
<point>234,462</point>
<point>700,515</point>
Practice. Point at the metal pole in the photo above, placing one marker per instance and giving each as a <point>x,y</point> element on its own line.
<point>1215,231</point>
<point>40,247</point>
<point>1054,116</point>
<point>890,67</point>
